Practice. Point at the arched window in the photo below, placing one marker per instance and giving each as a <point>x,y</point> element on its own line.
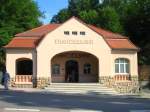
<point>87,68</point>
<point>121,65</point>
<point>55,69</point>
<point>24,67</point>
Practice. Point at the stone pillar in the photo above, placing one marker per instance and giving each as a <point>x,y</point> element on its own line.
<point>12,82</point>
<point>42,82</point>
<point>107,81</point>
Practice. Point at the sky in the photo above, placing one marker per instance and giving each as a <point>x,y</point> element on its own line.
<point>50,8</point>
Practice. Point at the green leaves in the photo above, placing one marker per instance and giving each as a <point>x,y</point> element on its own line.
<point>62,16</point>
<point>90,16</point>
<point>110,19</point>
<point>16,16</point>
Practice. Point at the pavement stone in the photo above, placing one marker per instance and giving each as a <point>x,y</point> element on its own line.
<point>140,95</point>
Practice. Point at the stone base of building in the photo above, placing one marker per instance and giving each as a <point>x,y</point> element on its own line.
<point>42,82</point>
<point>12,82</point>
<point>36,83</point>
<point>129,85</point>
<point>20,85</point>
<point>123,86</point>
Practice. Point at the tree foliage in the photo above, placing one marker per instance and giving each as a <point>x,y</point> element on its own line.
<point>128,17</point>
<point>90,16</point>
<point>110,19</point>
<point>16,16</point>
<point>137,26</point>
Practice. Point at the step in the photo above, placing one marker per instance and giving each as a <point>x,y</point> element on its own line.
<point>23,85</point>
<point>83,92</point>
<point>75,84</point>
<point>96,87</point>
<point>86,91</point>
<point>102,89</point>
<point>80,88</point>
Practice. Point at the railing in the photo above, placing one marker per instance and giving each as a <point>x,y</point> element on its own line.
<point>23,78</point>
<point>122,77</point>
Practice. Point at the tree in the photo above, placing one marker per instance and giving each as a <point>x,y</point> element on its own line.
<point>137,26</point>
<point>61,17</point>
<point>75,8</point>
<point>110,19</point>
<point>90,16</point>
<point>16,16</point>
<point>128,17</point>
<point>92,12</point>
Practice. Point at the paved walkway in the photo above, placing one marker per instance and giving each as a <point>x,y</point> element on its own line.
<point>30,100</point>
<point>31,90</point>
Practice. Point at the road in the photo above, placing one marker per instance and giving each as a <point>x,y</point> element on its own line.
<point>22,101</point>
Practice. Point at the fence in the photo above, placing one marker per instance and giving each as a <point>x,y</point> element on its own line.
<point>23,78</point>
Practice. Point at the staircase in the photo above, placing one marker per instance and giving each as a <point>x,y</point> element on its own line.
<point>80,88</point>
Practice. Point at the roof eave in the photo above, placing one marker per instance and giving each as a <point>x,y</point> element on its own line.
<point>19,47</point>
<point>126,49</point>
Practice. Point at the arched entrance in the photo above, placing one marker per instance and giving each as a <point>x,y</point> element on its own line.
<point>72,71</point>
<point>74,66</point>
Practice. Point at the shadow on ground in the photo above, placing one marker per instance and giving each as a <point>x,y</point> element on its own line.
<point>106,103</point>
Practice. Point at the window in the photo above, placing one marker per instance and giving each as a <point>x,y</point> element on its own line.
<point>24,67</point>
<point>82,33</point>
<point>87,68</point>
<point>56,69</point>
<point>74,33</point>
<point>121,65</point>
<point>66,32</point>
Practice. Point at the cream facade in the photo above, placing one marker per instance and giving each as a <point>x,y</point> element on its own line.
<point>74,57</point>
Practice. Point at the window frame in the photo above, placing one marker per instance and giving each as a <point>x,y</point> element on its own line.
<point>66,33</point>
<point>74,33</point>
<point>125,63</point>
<point>82,33</point>
<point>89,70</point>
<point>54,70</point>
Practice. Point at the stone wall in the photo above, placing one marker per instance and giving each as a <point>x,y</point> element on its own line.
<point>130,86</point>
<point>36,83</point>
<point>12,82</point>
<point>121,86</point>
<point>125,86</point>
<point>144,72</point>
<point>107,81</point>
<point>42,82</point>
<point>144,76</point>
<point>15,84</point>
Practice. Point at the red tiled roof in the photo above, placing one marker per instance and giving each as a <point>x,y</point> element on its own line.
<point>121,44</point>
<point>19,42</point>
<point>106,33</point>
<point>31,38</point>
<point>39,31</point>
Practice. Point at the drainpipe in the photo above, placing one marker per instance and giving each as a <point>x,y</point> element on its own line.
<point>34,77</point>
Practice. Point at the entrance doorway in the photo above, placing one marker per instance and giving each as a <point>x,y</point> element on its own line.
<point>72,72</point>
<point>74,66</point>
